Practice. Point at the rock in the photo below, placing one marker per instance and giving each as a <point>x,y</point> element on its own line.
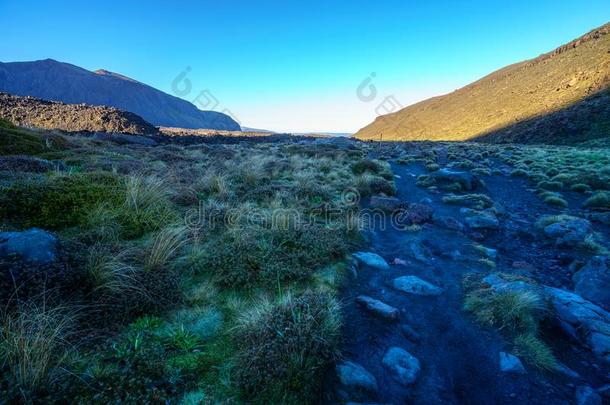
<point>32,246</point>
<point>410,333</point>
<point>582,319</point>
<point>378,308</point>
<point>511,364</point>
<point>448,223</point>
<point>415,285</point>
<point>416,214</point>
<point>480,219</point>
<point>586,395</point>
<point>372,260</point>
<point>489,252</point>
<point>404,367</point>
<point>565,370</point>
<point>385,203</point>
<point>593,281</point>
<point>499,284</point>
<point>466,180</point>
<point>569,231</point>
<point>354,377</point>
<point>416,251</point>
<point>399,262</point>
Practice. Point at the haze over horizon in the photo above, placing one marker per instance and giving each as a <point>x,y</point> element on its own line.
<point>295,68</point>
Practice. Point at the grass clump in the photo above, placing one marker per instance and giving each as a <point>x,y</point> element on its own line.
<point>600,201</point>
<point>35,344</point>
<point>58,201</point>
<point>476,201</point>
<point>21,141</point>
<point>284,348</point>
<point>535,352</point>
<point>518,313</point>
<point>556,201</point>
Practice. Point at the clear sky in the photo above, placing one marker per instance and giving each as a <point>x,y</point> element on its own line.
<point>296,66</point>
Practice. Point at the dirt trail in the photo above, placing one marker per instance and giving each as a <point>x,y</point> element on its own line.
<point>459,358</point>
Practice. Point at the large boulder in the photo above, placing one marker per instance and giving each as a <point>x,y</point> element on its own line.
<point>593,281</point>
<point>32,246</point>
<point>415,285</point>
<point>582,319</point>
<point>372,260</point>
<point>402,364</point>
<point>378,308</point>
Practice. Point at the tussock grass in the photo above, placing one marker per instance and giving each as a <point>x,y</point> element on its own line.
<point>167,245</point>
<point>284,347</point>
<point>535,352</point>
<point>35,343</point>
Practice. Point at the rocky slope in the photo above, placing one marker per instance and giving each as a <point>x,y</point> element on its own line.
<point>52,80</point>
<point>559,97</point>
<point>30,111</point>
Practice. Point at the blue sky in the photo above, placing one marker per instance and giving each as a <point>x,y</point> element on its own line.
<point>295,66</point>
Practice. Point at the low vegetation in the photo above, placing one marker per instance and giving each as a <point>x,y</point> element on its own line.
<point>196,272</point>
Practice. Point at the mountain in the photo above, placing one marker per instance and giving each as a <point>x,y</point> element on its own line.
<point>559,97</point>
<point>57,81</point>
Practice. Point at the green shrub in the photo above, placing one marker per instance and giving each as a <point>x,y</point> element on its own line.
<point>556,201</point>
<point>20,141</point>
<point>550,185</point>
<point>257,255</point>
<point>367,165</point>
<point>580,188</point>
<point>600,200</point>
<point>284,348</point>
<point>59,201</point>
<point>476,201</point>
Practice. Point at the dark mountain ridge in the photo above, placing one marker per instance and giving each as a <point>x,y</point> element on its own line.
<point>57,81</point>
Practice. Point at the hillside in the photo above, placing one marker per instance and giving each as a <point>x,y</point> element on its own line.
<point>30,111</point>
<point>57,81</point>
<point>558,97</point>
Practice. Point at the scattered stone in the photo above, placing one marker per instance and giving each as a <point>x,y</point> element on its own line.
<point>416,251</point>
<point>403,365</point>
<point>378,308</point>
<point>511,364</point>
<point>355,377</point>
<point>480,219</point>
<point>415,285</point>
<point>32,246</point>
<point>372,260</point>
<point>565,370</point>
<point>586,395</point>
<point>416,214</point>
<point>593,281</point>
<point>569,231</point>
<point>410,333</point>
<point>448,223</point>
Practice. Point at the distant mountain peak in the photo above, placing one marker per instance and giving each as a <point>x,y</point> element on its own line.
<point>59,81</point>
